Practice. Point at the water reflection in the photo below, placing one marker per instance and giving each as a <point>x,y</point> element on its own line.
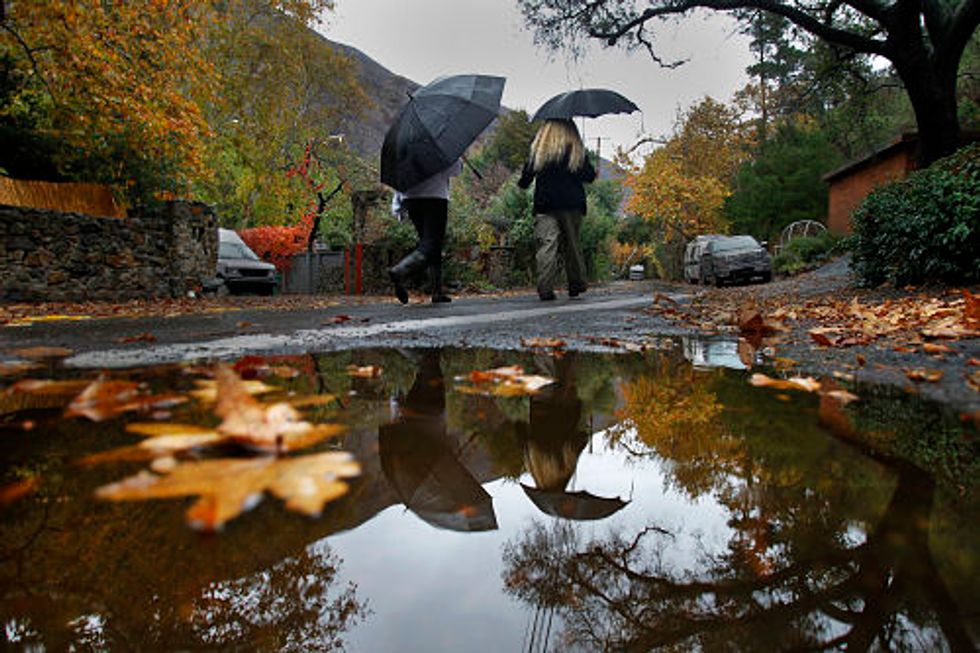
<point>552,442</point>
<point>421,463</point>
<point>757,522</point>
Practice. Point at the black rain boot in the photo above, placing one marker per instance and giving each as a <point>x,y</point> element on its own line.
<point>435,277</point>
<point>403,270</point>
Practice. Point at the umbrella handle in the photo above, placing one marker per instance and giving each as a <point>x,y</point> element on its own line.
<point>472,168</point>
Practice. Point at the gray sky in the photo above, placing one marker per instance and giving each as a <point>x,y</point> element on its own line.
<point>422,39</point>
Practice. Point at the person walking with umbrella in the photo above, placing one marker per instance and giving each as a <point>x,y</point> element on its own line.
<point>559,168</point>
<point>422,150</point>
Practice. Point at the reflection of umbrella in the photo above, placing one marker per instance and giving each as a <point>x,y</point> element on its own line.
<point>590,102</point>
<point>431,481</point>
<point>436,126</point>
<point>573,505</point>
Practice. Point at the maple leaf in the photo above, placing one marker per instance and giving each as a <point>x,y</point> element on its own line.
<point>270,427</point>
<point>228,487</point>
<point>105,398</point>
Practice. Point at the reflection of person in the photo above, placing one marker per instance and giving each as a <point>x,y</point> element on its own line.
<point>559,167</point>
<point>555,438</point>
<point>427,205</point>
<point>421,461</point>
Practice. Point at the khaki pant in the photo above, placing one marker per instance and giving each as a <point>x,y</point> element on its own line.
<point>553,234</point>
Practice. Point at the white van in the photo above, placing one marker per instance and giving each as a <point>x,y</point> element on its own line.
<point>240,268</point>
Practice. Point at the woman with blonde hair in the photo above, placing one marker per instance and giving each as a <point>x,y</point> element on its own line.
<point>559,166</point>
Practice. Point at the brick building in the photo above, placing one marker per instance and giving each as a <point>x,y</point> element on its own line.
<point>852,182</point>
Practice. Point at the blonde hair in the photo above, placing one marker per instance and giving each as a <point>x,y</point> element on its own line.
<point>556,140</point>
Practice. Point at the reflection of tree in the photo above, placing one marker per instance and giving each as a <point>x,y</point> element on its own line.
<point>623,594</point>
<point>286,608</point>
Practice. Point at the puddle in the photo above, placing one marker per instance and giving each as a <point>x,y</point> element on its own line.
<point>641,501</point>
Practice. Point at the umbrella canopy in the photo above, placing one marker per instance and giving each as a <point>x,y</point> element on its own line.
<point>589,102</point>
<point>573,505</point>
<point>440,121</point>
<point>430,479</point>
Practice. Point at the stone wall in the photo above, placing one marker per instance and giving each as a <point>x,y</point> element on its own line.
<point>161,251</point>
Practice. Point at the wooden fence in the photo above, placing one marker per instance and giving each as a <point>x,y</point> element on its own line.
<point>90,199</point>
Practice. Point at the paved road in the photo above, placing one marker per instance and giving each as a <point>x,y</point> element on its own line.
<point>499,322</point>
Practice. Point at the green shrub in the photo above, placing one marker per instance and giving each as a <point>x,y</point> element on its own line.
<point>923,228</point>
<point>804,254</point>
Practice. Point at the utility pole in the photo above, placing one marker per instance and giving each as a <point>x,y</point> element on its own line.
<point>598,155</point>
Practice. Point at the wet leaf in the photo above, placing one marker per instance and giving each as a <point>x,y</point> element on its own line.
<point>364,372</point>
<point>207,389</point>
<point>269,427</point>
<point>973,362</point>
<point>843,396</point>
<point>510,381</point>
<point>806,384</point>
<point>228,487</point>
<point>971,309</point>
<point>922,374</point>
<point>41,353</point>
<point>140,337</point>
<point>936,348</point>
<point>48,387</point>
<point>973,380</point>
<point>544,343</point>
<point>338,319</point>
<point>105,398</point>
<point>18,490</point>
<point>13,368</point>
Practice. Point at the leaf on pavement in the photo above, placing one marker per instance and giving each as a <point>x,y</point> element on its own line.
<point>973,380</point>
<point>13,368</point>
<point>971,309</point>
<point>922,374</point>
<point>843,396</point>
<point>139,337</point>
<point>544,343</point>
<point>936,348</point>
<point>228,487</point>
<point>269,427</point>
<point>41,353</point>
<point>365,371</point>
<point>48,387</point>
<point>751,322</point>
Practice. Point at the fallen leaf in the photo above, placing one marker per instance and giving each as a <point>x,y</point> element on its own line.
<point>544,343</point>
<point>41,353</point>
<point>860,359</point>
<point>806,384</point>
<point>510,381</point>
<point>936,348</point>
<point>17,490</point>
<point>973,380</point>
<point>105,398</point>
<point>270,427</point>
<point>207,389</point>
<point>921,374</point>
<point>48,387</point>
<point>311,400</point>
<point>973,362</point>
<point>140,337</point>
<point>843,396</point>
<point>338,319</point>
<point>243,324</point>
<point>364,372</point>
<point>971,309</point>
<point>228,487</point>
<point>285,371</point>
<point>12,368</point>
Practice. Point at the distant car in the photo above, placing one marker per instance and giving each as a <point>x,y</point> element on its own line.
<point>692,256</point>
<point>240,269</point>
<point>730,259</point>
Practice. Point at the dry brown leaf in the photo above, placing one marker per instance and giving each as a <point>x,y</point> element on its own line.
<point>48,387</point>
<point>140,337</point>
<point>207,389</point>
<point>105,398</point>
<point>973,380</point>
<point>843,396</point>
<point>922,374</point>
<point>971,309</point>
<point>41,353</point>
<point>936,348</point>
<point>365,371</point>
<point>228,487</point>
<point>973,362</point>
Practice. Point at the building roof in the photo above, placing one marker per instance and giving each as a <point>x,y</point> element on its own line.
<point>903,141</point>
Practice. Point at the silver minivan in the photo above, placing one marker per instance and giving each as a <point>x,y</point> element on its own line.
<point>240,268</point>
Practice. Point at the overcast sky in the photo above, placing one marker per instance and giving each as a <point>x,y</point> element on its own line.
<point>423,39</point>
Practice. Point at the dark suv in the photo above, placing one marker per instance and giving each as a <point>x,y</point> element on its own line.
<point>730,259</point>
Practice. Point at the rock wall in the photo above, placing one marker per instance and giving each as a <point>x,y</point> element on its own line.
<point>160,251</point>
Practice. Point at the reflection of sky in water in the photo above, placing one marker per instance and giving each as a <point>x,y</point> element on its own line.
<point>432,589</point>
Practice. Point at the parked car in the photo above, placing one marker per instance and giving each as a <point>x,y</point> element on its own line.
<point>730,259</point>
<point>692,257</point>
<point>240,269</point>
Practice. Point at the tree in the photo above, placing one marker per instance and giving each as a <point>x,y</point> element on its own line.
<point>511,140</point>
<point>783,183</point>
<point>924,41</point>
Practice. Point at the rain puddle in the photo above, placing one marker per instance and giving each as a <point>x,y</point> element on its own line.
<point>444,500</point>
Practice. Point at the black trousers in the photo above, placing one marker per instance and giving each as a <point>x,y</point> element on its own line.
<point>429,215</point>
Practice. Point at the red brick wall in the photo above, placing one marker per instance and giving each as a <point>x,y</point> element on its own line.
<point>847,191</point>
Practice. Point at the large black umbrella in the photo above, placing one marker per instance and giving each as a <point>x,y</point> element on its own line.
<point>589,102</point>
<point>439,122</point>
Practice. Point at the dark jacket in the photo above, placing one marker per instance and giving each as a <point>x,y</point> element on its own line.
<point>557,189</point>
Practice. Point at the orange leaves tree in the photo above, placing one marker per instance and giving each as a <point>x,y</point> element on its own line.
<point>116,82</point>
<point>681,186</point>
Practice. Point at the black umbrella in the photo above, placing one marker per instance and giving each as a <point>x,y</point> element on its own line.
<point>573,505</point>
<point>590,102</point>
<point>439,122</point>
